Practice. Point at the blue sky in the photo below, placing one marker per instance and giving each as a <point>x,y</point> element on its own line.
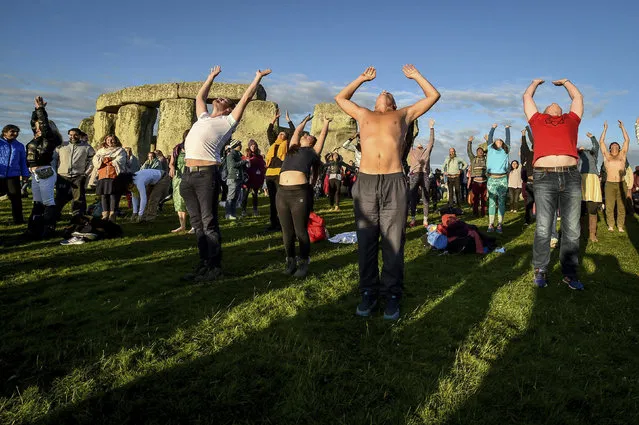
<point>480,55</point>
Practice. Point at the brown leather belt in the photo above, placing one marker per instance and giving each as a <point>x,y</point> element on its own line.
<point>556,169</point>
<point>497,176</point>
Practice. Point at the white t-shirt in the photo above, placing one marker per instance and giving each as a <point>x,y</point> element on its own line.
<point>141,180</point>
<point>208,136</point>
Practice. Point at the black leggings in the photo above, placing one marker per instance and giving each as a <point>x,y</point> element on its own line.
<point>246,192</point>
<point>293,208</point>
<point>334,188</point>
<point>110,202</point>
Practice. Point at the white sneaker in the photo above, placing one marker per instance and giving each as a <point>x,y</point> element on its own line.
<point>73,241</point>
<point>192,231</point>
<point>231,217</point>
<point>89,236</point>
<point>222,203</point>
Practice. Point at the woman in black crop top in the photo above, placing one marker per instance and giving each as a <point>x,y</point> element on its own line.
<point>294,195</point>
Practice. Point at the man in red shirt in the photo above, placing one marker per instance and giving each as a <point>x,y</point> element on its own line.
<point>557,181</point>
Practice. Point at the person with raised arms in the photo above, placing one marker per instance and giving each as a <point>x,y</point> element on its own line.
<point>295,194</point>
<point>380,193</point>
<point>557,181</point>
<point>615,163</point>
<point>200,186</point>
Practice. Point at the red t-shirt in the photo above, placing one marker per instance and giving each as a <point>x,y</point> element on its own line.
<point>555,135</point>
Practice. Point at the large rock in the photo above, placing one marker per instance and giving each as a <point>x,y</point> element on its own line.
<point>135,128</point>
<point>253,125</point>
<point>231,91</point>
<point>341,128</point>
<point>103,124</point>
<point>149,95</point>
<point>176,116</point>
<point>86,125</point>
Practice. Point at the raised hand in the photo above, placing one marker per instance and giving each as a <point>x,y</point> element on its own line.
<point>39,102</point>
<point>327,120</point>
<point>560,82</point>
<point>538,81</point>
<point>605,125</point>
<point>471,138</point>
<point>410,71</point>
<point>215,71</point>
<point>523,132</point>
<point>307,118</point>
<point>638,121</point>
<point>495,125</point>
<point>589,135</point>
<point>431,123</point>
<point>486,137</point>
<point>277,113</point>
<point>260,73</point>
<point>507,126</point>
<point>288,118</point>
<point>369,74</point>
<point>620,124</point>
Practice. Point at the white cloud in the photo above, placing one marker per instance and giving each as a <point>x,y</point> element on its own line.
<point>68,101</point>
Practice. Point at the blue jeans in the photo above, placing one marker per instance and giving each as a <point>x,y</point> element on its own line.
<point>557,190</point>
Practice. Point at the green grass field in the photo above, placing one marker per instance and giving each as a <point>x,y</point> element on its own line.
<point>107,333</point>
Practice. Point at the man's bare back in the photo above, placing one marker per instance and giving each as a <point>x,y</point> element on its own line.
<point>382,136</point>
<point>383,131</point>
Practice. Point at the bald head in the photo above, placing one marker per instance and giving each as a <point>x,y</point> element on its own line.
<point>553,110</point>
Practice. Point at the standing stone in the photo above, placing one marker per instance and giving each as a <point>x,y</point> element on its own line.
<point>86,125</point>
<point>342,127</point>
<point>135,128</point>
<point>254,123</point>
<point>103,124</point>
<point>176,116</point>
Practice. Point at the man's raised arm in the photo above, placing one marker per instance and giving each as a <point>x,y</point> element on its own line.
<point>530,108</point>
<point>203,94</point>
<point>432,95</point>
<point>577,105</point>
<point>626,139</point>
<point>469,148</point>
<point>238,111</point>
<point>343,98</point>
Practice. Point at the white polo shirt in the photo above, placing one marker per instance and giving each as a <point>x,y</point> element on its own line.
<point>208,136</point>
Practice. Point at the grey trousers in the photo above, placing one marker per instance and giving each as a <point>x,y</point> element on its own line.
<point>381,204</point>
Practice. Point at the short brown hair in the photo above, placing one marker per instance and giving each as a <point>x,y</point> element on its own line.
<point>10,127</point>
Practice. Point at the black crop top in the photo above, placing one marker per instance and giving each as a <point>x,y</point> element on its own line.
<point>302,160</point>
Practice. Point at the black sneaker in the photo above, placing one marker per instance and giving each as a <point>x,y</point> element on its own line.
<point>391,312</point>
<point>291,266</point>
<point>211,274</point>
<point>198,270</point>
<point>369,302</point>
<point>302,268</point>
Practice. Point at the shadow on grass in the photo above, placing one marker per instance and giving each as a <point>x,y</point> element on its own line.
<point>575,361</point>
<point>323,364</point>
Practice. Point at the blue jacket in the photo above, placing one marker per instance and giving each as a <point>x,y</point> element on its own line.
<point>497,159</point>
<point>13,159</point>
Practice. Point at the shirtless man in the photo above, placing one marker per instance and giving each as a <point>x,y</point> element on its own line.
<point>557,181</point>
<point>615,163</point>
<point>380,194</point>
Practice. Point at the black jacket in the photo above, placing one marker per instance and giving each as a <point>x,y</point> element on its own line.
<point>40,149</point>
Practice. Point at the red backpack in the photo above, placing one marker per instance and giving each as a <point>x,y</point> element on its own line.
<point>316,228</point>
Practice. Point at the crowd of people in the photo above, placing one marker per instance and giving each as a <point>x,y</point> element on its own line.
<point>387,178</point>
